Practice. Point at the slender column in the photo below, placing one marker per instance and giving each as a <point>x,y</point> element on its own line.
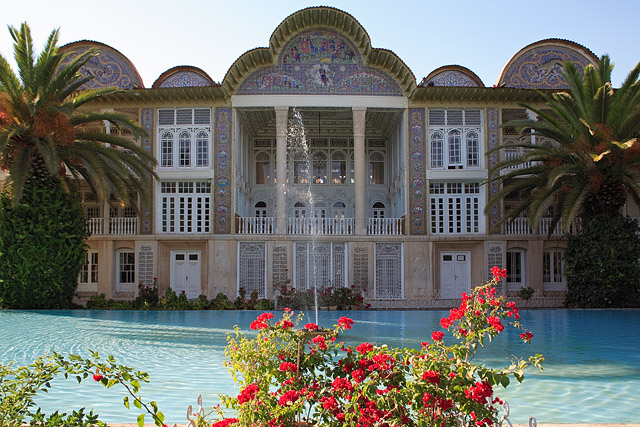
<point>282,114</point>
<point>359,170</point>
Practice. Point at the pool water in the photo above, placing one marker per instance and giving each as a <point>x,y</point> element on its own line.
<point>591,369</point>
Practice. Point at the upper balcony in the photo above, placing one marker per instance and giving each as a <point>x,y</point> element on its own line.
<point>522,226</point>
<point>320,226</point>
<point>112,226</point>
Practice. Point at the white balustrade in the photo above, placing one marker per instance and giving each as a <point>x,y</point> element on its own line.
<point>95,225</point>
<point>117,225</point>
<point>517,226</point>
<point>323,226</point>
<point>256,225</point>
<point>384,226</point>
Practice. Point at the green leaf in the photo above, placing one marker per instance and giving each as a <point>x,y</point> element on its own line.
<point>126,402</point>
<point>141,420</point>
<point>136,403</point>
<point>112,382</point>
<point>154,406</point>
<point>504,381</point>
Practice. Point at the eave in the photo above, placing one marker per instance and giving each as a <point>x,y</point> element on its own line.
<point>444,94</point>
<point>194,95</point>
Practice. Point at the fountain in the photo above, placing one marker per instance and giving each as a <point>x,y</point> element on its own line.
<point>304,221</point>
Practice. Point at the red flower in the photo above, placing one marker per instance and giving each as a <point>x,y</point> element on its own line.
<point>249,393</point>
<point>445,322</point>
<point>288,366</point>
<point>364,347</point>
<point>311,327</point>
<point>341,384</point>
<point>495,322</point>
<point>97,377</point>
<point>431,376</point>
<point>526,337</point>
<point>437,335</point>
<point>257,324</point>
<point>320,342</point>
<point>288,397</point>
<point>225,422</point>
<point>285,324</point>
<point>345,322</point>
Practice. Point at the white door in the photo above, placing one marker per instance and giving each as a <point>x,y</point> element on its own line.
<point>185,273</point>
<point>455,274</point>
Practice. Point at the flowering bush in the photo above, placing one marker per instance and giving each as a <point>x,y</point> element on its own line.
<point>290,375</point>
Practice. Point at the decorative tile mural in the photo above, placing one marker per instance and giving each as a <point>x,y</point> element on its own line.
<point>493,133</point>
<point>541,67</point>
<point>320,62</point>
<point>222,171</point>
<point>451,78</point>
<point>146,120</point>
<point>417,174</point>
<point>185,79</point>
<point>108,69</point>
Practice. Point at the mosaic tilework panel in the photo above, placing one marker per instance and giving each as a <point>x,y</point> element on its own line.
<point>320,63</point>
<point>108,69</point>
<point>185,79</point>
<point>317,47</point>
<point>541,68</point>
<point>493,133</point>
<point>146,120</point>
<point>222,171</point>
<point>417,174</point>
<point>452,78</point>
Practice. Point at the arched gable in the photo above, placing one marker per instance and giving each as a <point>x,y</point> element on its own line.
<point>109,67</point>
<point>452,75</point>
<point>183,76</point>
<point>539,65</point>
<point>319,50</point>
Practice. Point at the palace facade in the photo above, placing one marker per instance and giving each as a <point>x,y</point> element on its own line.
<point>396,169</point>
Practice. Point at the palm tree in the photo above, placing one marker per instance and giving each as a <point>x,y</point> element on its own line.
<point>594,162</point>
<point>588,171</point>
<point>44,128</point>
<point>47,147</point>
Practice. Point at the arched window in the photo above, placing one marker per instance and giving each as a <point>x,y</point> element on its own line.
<point>166,142</point>
<point>378,210</point>
<point>261,210</point>
<point>320,210</point>
<point>338,167</point>
<point>263,168</point>
<point>455,148</point>
<point>437,143</point>
<point>376,168</point>
<point>320,167</point>
<point>339,210</point>
<point>473,149</point>
<point>184,149</point>
<point>299,210</point>
<point>202,149</point>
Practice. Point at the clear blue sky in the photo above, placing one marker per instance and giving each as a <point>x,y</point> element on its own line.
<point>481,35</point>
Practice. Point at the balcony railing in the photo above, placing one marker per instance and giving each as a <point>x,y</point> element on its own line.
<point>116,225</point>
<point>256,225</point>
<point>324,226</point>
<point>384,226</point>
<point>521,226</point>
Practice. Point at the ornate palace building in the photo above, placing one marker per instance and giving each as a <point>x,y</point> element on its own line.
<point>396,167</point>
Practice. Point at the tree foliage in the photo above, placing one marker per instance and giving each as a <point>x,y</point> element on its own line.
<point>602,263</point>
<point>41,247</point>
<point>594,161</point>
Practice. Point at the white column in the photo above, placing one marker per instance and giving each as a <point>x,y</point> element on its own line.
<point>359,170</point>
<point>282,114</point>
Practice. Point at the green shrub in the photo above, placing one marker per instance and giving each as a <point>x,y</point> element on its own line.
<point>41,246</point>
<point>221,302</point>
<point>147,298</point>
<point>602,267</point>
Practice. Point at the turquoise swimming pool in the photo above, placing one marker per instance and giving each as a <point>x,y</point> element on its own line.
<point>592,366</point>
